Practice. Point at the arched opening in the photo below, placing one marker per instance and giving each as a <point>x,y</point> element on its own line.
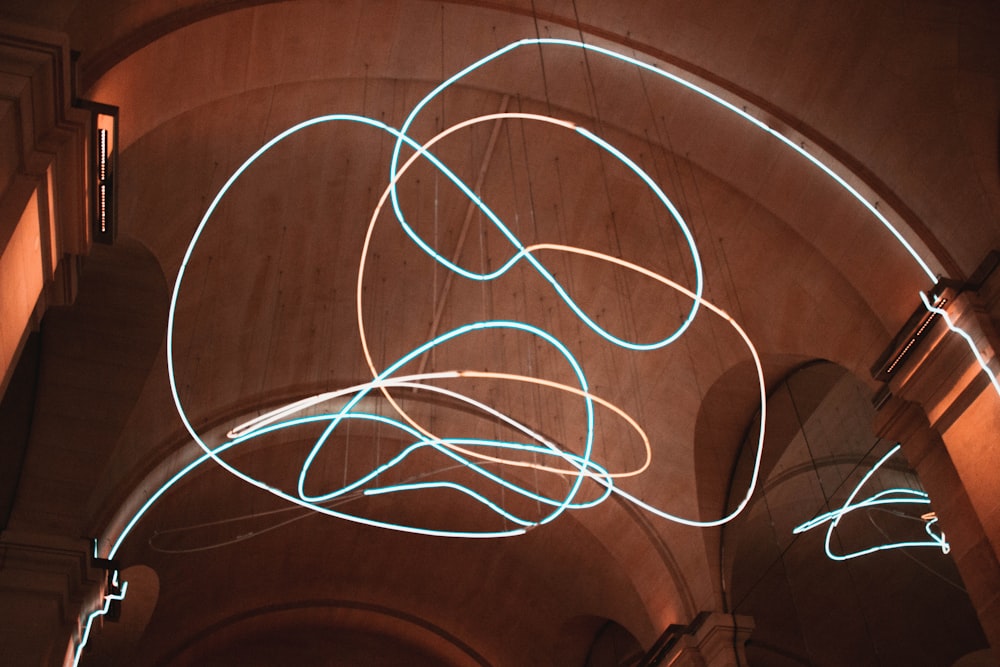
<point>613,646</point>
<point>836,600</point>
<point>596,641</point>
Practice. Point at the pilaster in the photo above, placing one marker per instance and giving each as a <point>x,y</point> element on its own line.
<point>43,183</point>
<point>713,639</point>
<point>46,584</point>
<point>945,411</point>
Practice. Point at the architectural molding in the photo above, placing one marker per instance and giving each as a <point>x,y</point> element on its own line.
<point>53,580</point>
<point>943,405</point>
<point>712,639</point>
<point>43,182</point>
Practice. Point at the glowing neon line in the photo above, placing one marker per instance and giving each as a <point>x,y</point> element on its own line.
<point>422,151</point>
<point>101,611</point>
<point>894,496</point>
<point>542,271</point>
<point>464,450</point>
<point>968,339</point>
<point>690,85</point>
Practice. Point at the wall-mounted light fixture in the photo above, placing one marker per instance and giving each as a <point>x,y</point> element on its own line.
<point>915,330</point>
<point>102,170</point>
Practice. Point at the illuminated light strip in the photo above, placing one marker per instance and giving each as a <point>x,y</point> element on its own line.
<point>895,496</point>
<point>418,351</point>
<point>522,253</point>
<point>102,152</point>
<point>102,179</point>
<point>101,611</point>
<point>603,478</point>
<point>401,135</point>
<point>762,389</point>
<point>390,192</point>
<point>527,252</point>
<point>273,426</point>
<point>422,151</point>
<point>103,190</point>
<point>902,353</point>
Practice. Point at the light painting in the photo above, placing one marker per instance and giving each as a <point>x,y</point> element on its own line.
<point>489,459</point>
<point>886,497</point>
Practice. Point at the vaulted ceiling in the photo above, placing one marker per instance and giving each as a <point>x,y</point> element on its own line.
<point>897,99</point>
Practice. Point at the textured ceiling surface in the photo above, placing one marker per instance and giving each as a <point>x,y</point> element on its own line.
<point>273,294</point>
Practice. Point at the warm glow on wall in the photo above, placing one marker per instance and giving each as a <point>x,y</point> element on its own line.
<point>22,278</point>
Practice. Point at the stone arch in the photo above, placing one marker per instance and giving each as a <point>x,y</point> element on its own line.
<point>324,632</point>
<point>116,325</point>
<point>821,444</point>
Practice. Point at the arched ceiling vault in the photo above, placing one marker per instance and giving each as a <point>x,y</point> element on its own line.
<point>267,311</point>
<point>865,78</point>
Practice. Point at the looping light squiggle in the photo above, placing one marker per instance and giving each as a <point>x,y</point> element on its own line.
<point>470,452</point>
<point>580,466</point>
<point>894,496</point>
<point>577,467</point>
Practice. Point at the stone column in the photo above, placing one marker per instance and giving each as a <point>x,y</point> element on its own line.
<point>945,412</point>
